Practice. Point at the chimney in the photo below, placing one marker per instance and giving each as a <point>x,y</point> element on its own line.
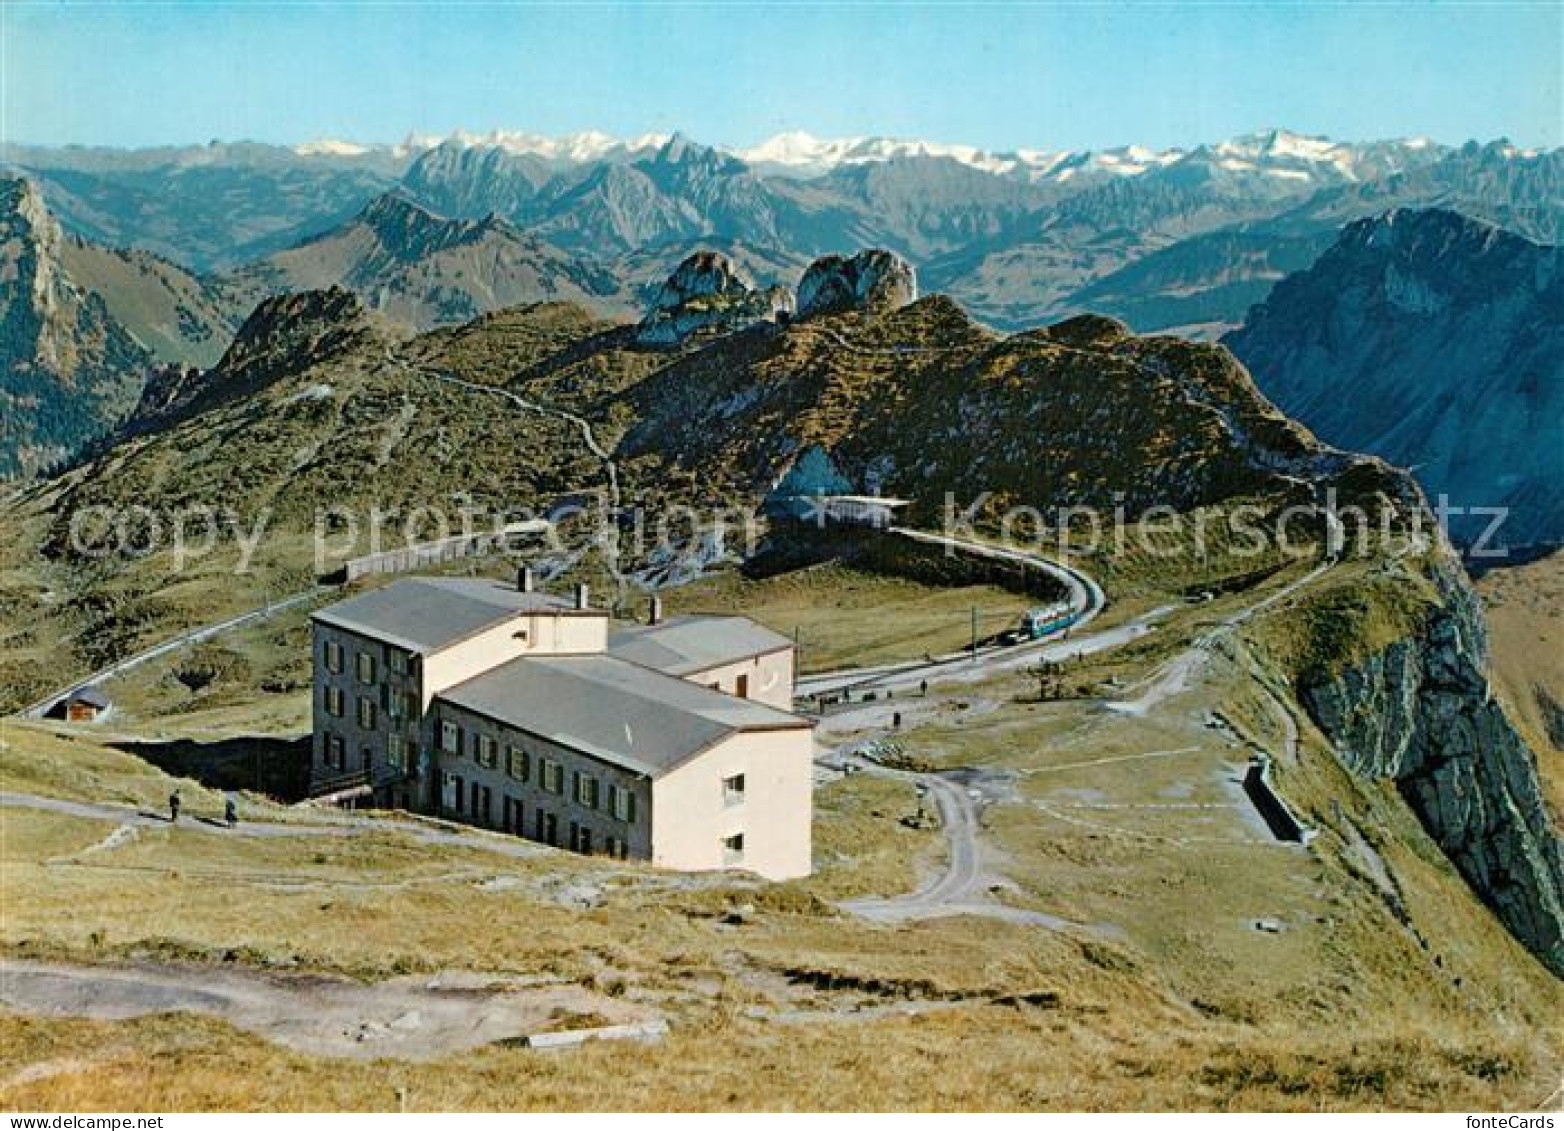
<point>655,616</point>
<point>524,580</point>
<point>582,594</point>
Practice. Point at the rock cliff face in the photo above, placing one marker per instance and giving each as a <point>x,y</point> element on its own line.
<point>1434,341</point>
<point>707,292</point>
<point>875,280</point>
<point>68,370</point>
<point>1419,711</point>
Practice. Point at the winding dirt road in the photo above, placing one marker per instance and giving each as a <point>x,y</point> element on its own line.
<point>608,538</point>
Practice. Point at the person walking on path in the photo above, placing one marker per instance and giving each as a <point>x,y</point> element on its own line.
<point>173,808</point>
<point>231,812</point>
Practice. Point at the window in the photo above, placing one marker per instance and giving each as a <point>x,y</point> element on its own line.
<point>397,661</point>
<point>365,664</point>
<point>586,790</point>
<point>733,848</point>
<point>553,776</point>
<point>334,702</point>
<point>621,803</point>
<point>733,790</point>
<point>583,840</point>
<point>616,848</point>
<point>366,713</point>
<point>548,828</point>
<point>396,751</point>
<point>517,763</point>
<point>450,738</point>
<point>333,656</point>
<point>396,705</point>
<point>336,751</point>
<point>488,750</point>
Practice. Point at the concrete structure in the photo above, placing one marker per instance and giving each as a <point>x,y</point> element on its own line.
<point>860,510</point>
<point>512,709</point>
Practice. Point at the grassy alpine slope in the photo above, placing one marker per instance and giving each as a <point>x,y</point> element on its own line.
<point>1163,994</point>
<point>320,404</point>
<point>1115,958</point>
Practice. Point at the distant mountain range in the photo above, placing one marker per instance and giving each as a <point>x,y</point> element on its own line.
<point>434,232</point>
<point>1015,235</point>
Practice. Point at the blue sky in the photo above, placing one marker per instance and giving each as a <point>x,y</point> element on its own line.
<point>1047,76</point>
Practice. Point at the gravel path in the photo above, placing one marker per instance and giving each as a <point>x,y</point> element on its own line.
<point>345,826</point>
<point>410,1018</point>
<point>608,539</point>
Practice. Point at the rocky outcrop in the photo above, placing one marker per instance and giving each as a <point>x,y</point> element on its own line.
<point>708,292</point>
<point>871,280</point>
<point>298,329</point>
<point>1419,711</point>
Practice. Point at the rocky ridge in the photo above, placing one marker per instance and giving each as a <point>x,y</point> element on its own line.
<point>316,405</point>
<point>68,369</point>
<point>1434,341</point>
<point>1419,711</point>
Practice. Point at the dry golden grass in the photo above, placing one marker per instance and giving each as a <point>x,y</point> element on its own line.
<point>58,760</point>
<point>842,616</point>
<point>863,843</point>
<point>1009,1059</point>
<point>1525,611</point>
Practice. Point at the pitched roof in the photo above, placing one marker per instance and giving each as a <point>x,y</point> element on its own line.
<point>425,614</point>
<point>688,644</point>
<point>612,709</point>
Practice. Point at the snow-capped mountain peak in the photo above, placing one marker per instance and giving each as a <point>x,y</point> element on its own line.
<point>331,147</point>
<point>1275,155</point>
<point>799,154</point>
<point>576,148</point>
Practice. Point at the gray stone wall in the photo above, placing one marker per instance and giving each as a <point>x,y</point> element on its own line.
<point>365,748</point>
<point>530,793</point>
